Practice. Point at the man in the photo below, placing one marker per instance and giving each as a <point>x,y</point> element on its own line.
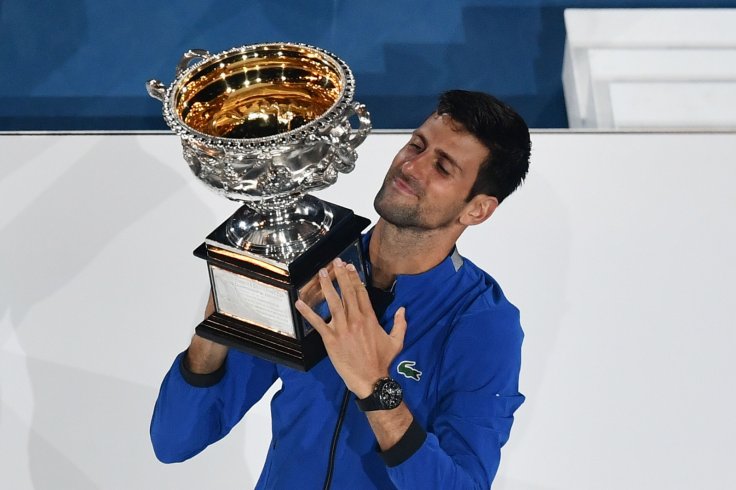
<point>421,382</point>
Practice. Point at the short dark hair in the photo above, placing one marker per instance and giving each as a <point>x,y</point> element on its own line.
<point>501,130</point>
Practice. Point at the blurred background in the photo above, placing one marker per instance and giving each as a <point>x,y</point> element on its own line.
<point>77,64</point>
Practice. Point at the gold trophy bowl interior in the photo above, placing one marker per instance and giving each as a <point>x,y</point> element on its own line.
<point>261,92</point>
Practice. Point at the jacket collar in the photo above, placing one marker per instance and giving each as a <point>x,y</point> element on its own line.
<point>404,282</point>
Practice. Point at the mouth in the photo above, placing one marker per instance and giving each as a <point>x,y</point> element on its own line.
<point>402,186</point>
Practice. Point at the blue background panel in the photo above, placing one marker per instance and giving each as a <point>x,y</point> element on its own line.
<point>75,64</point>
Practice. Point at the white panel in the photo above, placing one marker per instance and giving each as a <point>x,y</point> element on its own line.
<point>662,64</point>
<point>664,28</point>
<point>689,46</point>
<point>673,104</point>
<point>619,250</point>
<point>576,86</point>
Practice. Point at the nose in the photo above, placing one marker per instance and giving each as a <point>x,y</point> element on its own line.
<point>417,166</point>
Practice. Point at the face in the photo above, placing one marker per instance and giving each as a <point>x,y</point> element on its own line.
<point>426,186</point>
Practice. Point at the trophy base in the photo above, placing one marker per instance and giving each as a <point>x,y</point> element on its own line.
<point>255,294</point>
<point>299,355</point>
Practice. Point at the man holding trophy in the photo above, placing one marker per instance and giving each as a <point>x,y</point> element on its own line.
<point>420,382</point>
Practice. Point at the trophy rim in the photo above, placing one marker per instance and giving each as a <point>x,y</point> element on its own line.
<point>184,131</point>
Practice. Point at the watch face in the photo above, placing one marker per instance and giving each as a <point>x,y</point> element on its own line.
<point>390,394</point>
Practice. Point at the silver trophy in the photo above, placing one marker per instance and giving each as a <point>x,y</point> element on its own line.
<point>264,125</point>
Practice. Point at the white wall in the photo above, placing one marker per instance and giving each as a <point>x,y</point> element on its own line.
<point>619,250</point>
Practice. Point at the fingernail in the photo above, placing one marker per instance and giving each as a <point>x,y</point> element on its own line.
<point>339,262</point>
<point>323,272</point>
<point>350,267</point>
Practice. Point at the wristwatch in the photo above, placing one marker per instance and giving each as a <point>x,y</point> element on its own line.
<point>387,395</point>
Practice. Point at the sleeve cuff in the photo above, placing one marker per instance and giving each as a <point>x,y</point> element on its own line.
<point>409,443</point>
<point>200,380</point>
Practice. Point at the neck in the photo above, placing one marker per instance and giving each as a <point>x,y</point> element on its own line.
<point>395,251</point>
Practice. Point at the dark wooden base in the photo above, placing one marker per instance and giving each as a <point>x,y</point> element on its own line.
<point>263,343</point>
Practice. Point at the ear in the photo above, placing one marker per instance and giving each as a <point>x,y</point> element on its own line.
<point>479,209</point>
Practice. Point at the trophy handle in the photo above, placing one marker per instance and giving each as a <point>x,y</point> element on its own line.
<point>360,133</point>
<point>343,139</point>
<point>156,89</point>
<point>188,57</point>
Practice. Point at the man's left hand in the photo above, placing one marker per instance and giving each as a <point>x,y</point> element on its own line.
<point>359,348</point>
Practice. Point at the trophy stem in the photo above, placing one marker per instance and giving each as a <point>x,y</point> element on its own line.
<point>280,233</point>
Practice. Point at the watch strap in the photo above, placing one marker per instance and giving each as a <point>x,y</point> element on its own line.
<point>369,403</point>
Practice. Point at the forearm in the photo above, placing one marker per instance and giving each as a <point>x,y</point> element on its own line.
<point>415,459</point>
<point>184,420</point>
<point>433,466</point>
<point>389,426</point>
<point>194,410</point>
<point>205,356</point>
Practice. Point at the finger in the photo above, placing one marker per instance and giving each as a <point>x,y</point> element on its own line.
<point>347,291</point>
<point>313,318</point>
<point>311,291</point>
<point>333,299</point>
<point>364,300</point>
<point>398,331</point>
<point>331,270</point>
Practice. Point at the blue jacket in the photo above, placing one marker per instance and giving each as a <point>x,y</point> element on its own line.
<point>459,373</point>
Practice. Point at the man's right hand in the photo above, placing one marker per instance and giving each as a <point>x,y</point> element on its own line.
<point>205,356</point>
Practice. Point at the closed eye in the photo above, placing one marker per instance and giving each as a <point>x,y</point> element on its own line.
<point>441,168</point>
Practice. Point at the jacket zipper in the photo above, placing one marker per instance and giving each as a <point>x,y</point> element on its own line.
<point>335,436</point>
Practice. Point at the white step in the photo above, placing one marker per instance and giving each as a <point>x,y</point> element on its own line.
<point>664,53</point>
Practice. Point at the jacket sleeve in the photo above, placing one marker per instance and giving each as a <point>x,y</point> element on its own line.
<point>477,396</point>
<point>193,411</point>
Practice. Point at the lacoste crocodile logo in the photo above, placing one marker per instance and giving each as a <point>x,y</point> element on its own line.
<point>406,368</point>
